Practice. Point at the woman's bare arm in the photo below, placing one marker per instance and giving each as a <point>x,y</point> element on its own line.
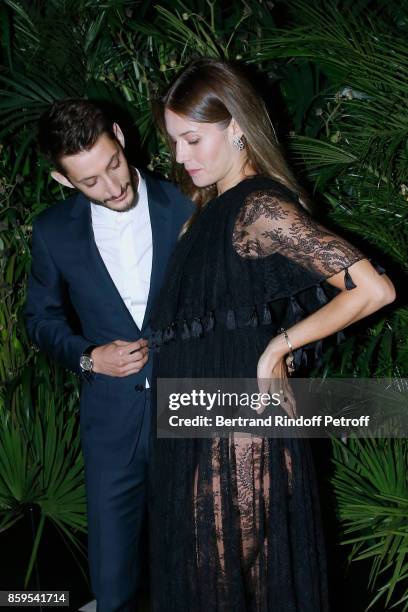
<point>372,292</point>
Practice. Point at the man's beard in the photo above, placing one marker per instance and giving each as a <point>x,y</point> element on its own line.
<point>134,183</point>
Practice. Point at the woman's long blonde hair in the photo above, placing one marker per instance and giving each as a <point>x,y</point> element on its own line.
<point>214,91</point>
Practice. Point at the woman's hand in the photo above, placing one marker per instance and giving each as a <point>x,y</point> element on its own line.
<point>272,372</point>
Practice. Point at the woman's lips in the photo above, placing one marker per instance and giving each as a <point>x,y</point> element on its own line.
<point>193,171</point>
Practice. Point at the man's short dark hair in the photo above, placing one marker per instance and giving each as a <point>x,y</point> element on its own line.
<point>70,126</point>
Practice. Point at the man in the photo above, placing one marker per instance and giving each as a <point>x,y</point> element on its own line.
<point>98,260</point>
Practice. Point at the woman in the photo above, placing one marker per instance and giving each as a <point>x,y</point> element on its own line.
<point>235,522</point>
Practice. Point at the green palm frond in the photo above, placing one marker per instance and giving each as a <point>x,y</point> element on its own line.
<point>367,72</point>
<point>317,154</point>
<point>23,99</point>
<point>372,500</point>
<point>41,464</point>
<point>15,14</point>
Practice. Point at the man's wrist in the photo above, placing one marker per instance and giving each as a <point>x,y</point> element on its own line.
<point>86,362</point>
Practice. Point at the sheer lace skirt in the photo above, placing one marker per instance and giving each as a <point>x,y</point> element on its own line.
<point>247,535</point>
<point>250,485</point>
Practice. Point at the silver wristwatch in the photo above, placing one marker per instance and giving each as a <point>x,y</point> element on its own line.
<point>86,361</point>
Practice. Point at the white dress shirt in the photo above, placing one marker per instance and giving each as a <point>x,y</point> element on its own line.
<point>124,240</point>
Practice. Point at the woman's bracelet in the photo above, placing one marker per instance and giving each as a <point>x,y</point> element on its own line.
<point>291,365</point>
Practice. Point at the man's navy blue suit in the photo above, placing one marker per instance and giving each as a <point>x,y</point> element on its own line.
<point>73,303</point>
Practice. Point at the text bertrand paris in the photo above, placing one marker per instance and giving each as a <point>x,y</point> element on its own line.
<point>268,421</point>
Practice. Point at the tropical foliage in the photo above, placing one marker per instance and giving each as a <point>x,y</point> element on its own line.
<point>41,464</point>
<point>335,77</point>
<point>372,499</point>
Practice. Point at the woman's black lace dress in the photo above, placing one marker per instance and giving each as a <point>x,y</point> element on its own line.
<point>235,522</point>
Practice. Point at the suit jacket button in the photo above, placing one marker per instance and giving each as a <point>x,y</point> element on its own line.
<point>139,388</point>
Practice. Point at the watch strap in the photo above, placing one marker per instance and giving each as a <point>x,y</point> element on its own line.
<point>87,353</point>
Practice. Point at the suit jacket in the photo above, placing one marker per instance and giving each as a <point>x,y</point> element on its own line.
<point>72,303</point>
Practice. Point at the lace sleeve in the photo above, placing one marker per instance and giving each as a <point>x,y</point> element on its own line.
<point>270,223</point>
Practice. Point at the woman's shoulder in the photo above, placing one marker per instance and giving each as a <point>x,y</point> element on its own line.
<point>272,186</point>
<point>260,186</point>
<point>264,197</point>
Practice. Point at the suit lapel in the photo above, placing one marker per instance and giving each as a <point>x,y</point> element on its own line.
<point>83,236</point>
<point>160,220</point>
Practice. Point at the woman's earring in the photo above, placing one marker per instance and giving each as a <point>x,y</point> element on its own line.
<point>238,142</point>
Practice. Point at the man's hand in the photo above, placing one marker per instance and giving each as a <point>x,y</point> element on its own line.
<point>120,358</point>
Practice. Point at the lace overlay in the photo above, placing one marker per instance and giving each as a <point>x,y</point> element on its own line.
<point>251,482</point>
<point>269,224</point>
<point>249,456</point>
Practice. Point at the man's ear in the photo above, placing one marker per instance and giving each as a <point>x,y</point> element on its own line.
<point>119,134</point>
<point>60,178</point>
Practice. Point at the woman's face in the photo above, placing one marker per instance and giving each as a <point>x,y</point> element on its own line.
<point>205,150</point>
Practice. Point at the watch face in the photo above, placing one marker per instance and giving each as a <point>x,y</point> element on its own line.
<point>86,363</point>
